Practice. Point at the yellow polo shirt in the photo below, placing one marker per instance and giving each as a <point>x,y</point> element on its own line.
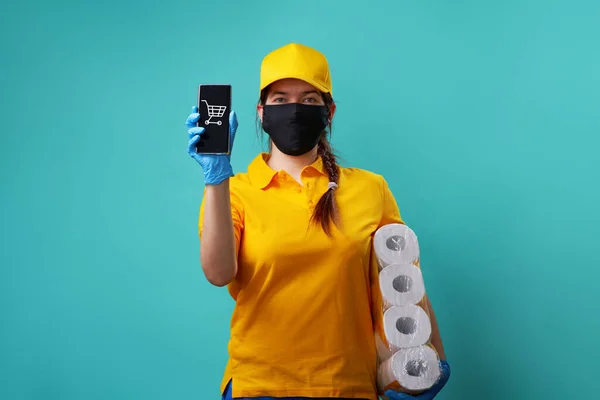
<point>303,322</point>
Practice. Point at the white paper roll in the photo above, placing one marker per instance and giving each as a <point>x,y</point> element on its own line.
<point>406,326</point>
<point>395,244</point>
<point>401,284</point>
<point>415,369</point>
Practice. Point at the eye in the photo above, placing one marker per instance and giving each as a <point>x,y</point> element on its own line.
<point>309,100</point>
<point>278,100</point>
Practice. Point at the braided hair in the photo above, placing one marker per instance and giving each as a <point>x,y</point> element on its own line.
<point>326,211</point>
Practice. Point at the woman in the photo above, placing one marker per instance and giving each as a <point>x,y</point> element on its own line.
<point>292,240</point>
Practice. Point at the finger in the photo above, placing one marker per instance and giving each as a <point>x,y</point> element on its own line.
<point>393,395</point>
<point>233,122</point>
<point>191,147</point>
<point>233,125</point>
<point>195,131</point>
<point>192,119</point>
<point>194,109</point>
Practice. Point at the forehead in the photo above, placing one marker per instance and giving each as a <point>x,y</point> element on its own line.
<point>290,85</point>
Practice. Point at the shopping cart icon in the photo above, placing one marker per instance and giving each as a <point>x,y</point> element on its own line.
<point>214,111</point>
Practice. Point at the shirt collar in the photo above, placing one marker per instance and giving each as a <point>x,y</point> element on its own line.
<point>261,174</point>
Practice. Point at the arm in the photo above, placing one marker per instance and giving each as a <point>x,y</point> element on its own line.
<point>218,249</point>
<point>220,223</point>
<point>391,214</point>
<point>436,339</point>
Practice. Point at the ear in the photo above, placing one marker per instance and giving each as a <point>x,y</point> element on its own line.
<point>332,109</point>
<point>259,109</point>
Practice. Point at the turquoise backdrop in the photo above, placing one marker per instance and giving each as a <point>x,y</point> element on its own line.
<point>482,115</point>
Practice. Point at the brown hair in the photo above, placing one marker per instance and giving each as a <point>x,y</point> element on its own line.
<point>326,211</point>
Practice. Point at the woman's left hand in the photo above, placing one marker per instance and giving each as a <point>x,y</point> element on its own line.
<point>429,394</point>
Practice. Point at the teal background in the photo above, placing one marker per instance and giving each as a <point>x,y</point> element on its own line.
<point>482,115</point>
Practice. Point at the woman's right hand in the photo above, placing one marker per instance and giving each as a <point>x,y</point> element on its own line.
<point>216,167</point>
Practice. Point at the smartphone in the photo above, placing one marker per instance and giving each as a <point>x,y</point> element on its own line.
<point>214,106</point>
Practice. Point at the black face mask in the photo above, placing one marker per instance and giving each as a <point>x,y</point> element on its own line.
<point>295,128</point>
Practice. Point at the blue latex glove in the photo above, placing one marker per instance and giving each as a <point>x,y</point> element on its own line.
<point>216,167</point>
<point>429,394</point>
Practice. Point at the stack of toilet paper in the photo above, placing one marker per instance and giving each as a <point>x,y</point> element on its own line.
<point>407,360</point>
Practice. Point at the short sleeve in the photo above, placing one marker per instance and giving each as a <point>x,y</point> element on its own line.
<point>237,216</point>
<point>390,213</point>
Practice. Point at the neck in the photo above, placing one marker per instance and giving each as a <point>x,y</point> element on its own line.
<point>293,165</point>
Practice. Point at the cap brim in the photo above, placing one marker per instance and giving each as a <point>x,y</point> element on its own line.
<point>310,81</point>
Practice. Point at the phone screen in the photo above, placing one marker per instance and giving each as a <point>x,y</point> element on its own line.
<point>214,106</point>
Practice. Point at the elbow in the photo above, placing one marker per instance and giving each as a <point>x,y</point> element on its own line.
<point>218,281</point>
<point>218,273</point>
<point>219,263</point>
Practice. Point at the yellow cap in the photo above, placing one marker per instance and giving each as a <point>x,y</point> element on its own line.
<point>296,61</point>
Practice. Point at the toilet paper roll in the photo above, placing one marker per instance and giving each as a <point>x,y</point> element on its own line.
<point>395,244</point>
<point>406,326</point>
<point>401,284</point>
<point>415,369</point>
